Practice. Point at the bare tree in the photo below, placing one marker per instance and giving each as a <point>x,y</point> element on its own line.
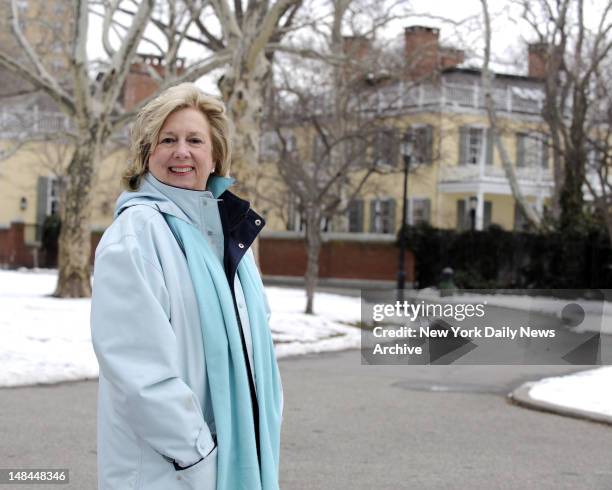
<point>331,96</point>
<point>599,150</point>
<point>251,32</point>
<point>94,108</point>
<point>534,219</point>
<point>574,55</point>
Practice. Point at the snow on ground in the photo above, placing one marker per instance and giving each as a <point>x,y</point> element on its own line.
<point>586,390</point>
<point>48,340</point>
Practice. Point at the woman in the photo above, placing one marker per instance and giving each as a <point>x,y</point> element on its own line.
<point>189,393</point>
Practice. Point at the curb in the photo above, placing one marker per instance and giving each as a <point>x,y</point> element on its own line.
<point>521,397</point>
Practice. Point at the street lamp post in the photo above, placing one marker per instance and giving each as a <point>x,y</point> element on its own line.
<point>406,149</point>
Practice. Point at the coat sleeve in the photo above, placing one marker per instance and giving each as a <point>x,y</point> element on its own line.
<point>137,351</point>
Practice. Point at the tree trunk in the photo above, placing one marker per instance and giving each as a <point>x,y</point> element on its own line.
<point>243,92</point>
<point>75,236</point>
<point>313,247</point>
<point>551,116</point>
<point>487,81</point>
<point>572,198</point>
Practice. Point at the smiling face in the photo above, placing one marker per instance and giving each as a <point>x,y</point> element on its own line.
<point>183,154</point>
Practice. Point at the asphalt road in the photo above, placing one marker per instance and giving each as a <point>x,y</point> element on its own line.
<point>352,426</point>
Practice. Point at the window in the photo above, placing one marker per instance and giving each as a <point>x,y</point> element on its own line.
<point>598,155</point>
<point>488,214</point>
<point>419,211</point>
<point>291,142</point>
<point>466,218</point>
<point>356,150</point>
<point>385,148</point>
<point>48,200</point>
<point>295,221</point>
<point>271,146</point>
<point>422,140</point>
<point>531,150</point>
<point>320,152</point>
<point>53,199</point>
<point>49,195</point>
<point>462,218</point>
<point>382,215</point>
<point>355,216</point>
<point>475,146</point>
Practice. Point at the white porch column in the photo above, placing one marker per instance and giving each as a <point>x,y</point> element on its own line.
<point>479,209</point>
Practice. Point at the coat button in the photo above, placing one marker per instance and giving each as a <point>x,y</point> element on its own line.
<point>241,245</point>
<point>179,477</point>
<point>258,222</point>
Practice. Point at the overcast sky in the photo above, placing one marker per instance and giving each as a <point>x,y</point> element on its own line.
<point>464,32</point>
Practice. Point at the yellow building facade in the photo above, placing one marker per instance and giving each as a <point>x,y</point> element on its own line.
<point>456,178</point>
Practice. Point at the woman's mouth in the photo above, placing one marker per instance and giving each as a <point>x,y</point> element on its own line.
<point>181,170</point>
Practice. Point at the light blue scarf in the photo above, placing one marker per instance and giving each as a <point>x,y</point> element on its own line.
<point>237,462</point>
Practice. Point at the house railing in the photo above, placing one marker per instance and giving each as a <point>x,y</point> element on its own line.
<point>34,122</point>
<point>510,99</point>
<point>24,124</point>
<point>469,173</point>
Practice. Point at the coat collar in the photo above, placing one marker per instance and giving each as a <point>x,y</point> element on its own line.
<point>218,185</point>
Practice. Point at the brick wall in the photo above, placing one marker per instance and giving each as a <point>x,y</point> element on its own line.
<point>13,250</point>
<point>339,259</point>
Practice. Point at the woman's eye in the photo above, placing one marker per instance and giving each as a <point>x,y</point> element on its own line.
<point>167,140</point>
<point>195,140</point>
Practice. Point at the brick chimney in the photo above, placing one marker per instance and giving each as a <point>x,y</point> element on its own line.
<point>537,57</point>
<point>424,55</point>
<point>139,84</point>
<point>356,47</point>
<point>450,57</point>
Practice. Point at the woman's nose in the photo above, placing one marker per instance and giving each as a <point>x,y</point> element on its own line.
<point>181,150</point>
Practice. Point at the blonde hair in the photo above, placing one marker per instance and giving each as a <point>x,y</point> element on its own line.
<point>151,118</point>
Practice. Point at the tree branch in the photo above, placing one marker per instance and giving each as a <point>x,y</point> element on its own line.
<point>112,81</point>
<point>190,75</point>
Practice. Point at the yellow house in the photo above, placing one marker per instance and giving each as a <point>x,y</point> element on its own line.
<point>456,177</point>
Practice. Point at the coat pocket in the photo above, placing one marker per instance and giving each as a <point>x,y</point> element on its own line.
<point>201,476</point>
